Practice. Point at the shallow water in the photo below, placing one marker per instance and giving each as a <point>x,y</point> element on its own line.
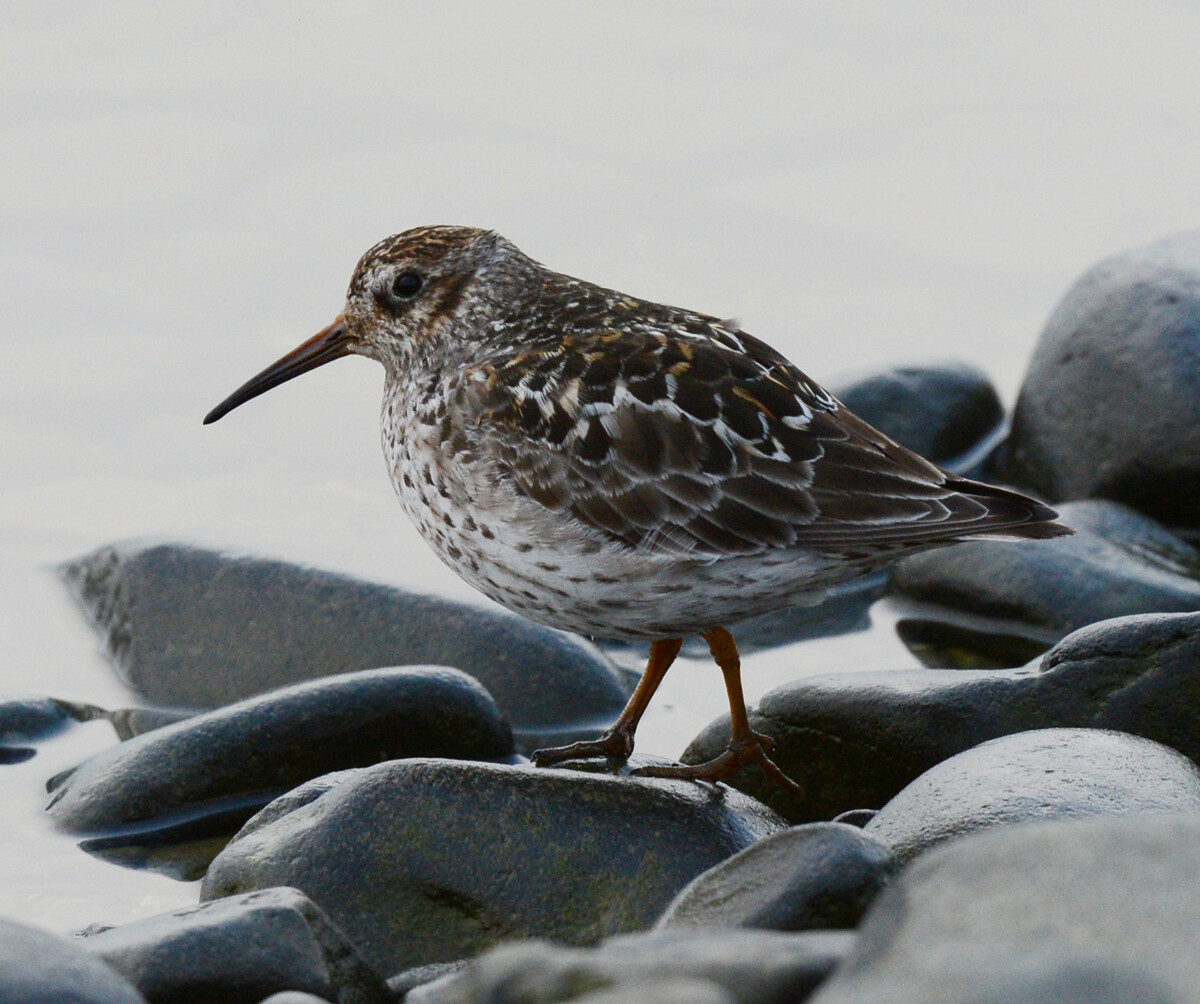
<point>186,192</point>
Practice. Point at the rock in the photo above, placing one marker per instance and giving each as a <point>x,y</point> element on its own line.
<point>238,951</point>
<point>940,411</point>
<point>205,776</point>
<point>854,740</point>
<point>752,967</point>
<point>294,997</point>
<point>823,875</point>
<point>1119,562</point>
<point>25,719</point>
<point>423,861</point>
<point>1095,910</point>
<point>422,976</point>
<point>679,990</point>
<point>1044,774</point>
<point>37,967</point>
<point>186,626</point>
<point>1110,406</point>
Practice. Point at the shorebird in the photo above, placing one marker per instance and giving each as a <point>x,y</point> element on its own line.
<point>626,469</point>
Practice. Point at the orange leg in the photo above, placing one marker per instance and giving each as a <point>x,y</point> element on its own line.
<point>617,743</point>
<point>745,745</point>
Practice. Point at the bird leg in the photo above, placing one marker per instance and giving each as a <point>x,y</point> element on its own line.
<point>617,742</point>
<point>745,745</point>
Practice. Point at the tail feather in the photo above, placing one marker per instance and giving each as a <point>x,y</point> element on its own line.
<point>1011,515</point>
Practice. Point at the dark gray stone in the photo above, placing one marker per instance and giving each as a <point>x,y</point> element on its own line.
<point>207,775</point>
<point>940,411</point>
<point>37,967</point>
<point>1118,563</point>
<point>198,628</point>
<point>27,719</point>
<point>424,861</point>
<point>238,951</point>
<point>1096,910</point>
<point>823,875</point>
<point>1044,774</point>
<point>854,740</point>
<point>1110,406</point>
<point>752,967</point>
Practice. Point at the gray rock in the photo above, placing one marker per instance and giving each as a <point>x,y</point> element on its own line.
<point>822,875</point>
<point>27,719</point>
<point>752,967</point>
<point>1096,910</point>
<point>940,411</point>
<point>1118,563</point>
<point>676,990</point>
<point>37,967</point>
<point>238,951</point>
<point>423,861</point>
<point>198,628</point>
<point>1044,774</point>
<point>1110,406</point>
<point>422,976</point>
<point>206,775</point>
<point>854,740</point>
<point>294,997</point>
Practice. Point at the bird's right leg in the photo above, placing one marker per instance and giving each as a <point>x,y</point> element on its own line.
<point>617,742</point>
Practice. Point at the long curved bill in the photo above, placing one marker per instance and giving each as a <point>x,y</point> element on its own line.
<point>324,347</point>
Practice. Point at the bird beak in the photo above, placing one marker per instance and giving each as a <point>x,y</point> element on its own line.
<point>324,347</point>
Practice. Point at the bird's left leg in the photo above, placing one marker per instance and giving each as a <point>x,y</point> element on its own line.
<point>745,745</point>
<point>617,742</point>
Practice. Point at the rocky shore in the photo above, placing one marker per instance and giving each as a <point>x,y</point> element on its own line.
<point>345,764</point>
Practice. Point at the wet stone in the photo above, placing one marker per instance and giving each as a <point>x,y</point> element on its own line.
<point>940,412</point>
<point>28,719</point>
<point>1044,774</point>
<point>1110,406</point>
<point>751,967</point>
<point>1119,562</point>
<point>197,628</point>
<point>193,783</point>
<point>424,861</point>
<point>238,951</point>
<point>1100,910</point>
<point>37,967</point>
<point>854,740</point>
<point>822,875</point>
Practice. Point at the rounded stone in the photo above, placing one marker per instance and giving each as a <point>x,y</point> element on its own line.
<point>422,861</point>
<point>1110,406</point>
<point>1043,774</point>
<point>37,967</point>
<point>823,875</point>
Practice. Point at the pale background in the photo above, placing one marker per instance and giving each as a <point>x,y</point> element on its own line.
<point>184,191</point>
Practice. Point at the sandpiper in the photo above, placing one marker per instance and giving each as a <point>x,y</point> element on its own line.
<point>626,469</point>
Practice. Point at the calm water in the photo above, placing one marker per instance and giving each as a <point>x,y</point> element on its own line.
<point>185,192</point>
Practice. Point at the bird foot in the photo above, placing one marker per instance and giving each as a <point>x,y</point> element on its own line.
<point>614,745</point>
<point>739,754</point>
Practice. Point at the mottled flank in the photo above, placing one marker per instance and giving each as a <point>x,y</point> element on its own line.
<point>616,467</point>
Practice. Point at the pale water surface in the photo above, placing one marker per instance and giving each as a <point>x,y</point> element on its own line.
<point>185,189</point>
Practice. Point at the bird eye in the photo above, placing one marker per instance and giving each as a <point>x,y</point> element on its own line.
<point>407,285</point>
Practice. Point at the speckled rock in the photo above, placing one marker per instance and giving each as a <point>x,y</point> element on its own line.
<point>238,951</point>
<point>423,861</point>
<point>752,967</point>
<point>1102,910</point>
<point>37,967</point>
<point>940,411</point>
<point>198,628</point>
<point>1044,774</point>
<point>1119,562</point>
<point>854,740</point>
<point>1110,406</point>
<point>208,774</point>
<point>822,875</point>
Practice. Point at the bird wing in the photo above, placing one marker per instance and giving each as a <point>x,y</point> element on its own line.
<point>694,438</point>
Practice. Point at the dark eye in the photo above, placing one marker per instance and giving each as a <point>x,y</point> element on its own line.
<point>407,285</point>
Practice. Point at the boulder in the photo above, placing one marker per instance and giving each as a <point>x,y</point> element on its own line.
<point>423,861</point>
<point>1110,405</point>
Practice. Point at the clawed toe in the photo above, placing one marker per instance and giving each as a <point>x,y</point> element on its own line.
<point>737,755</point>
<point>614,746</point>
